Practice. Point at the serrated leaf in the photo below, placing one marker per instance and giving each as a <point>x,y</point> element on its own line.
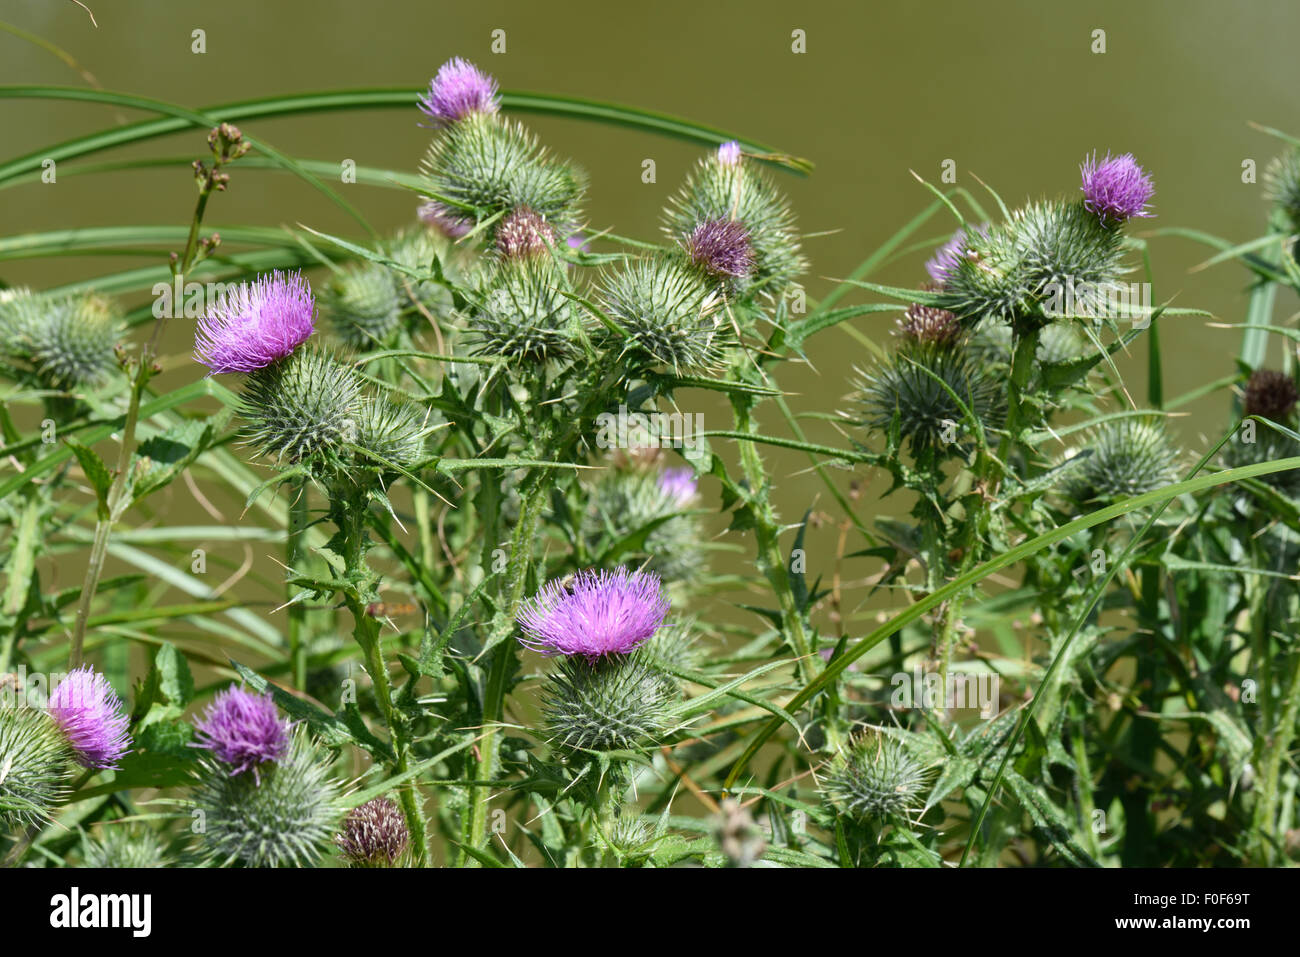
<point>97,473</point>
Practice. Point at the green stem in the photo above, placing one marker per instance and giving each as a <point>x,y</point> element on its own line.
<point>118,495</point>
<point>294,555</point>
<point>504,655</point>
<point>350,515</point>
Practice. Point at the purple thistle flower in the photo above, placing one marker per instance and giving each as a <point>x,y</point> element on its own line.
<point>721,246</point>
<point>729,153</point>
<point>594,614</point>
<point>460,88</point>
<point>254,324</point>
<point>944,262</point>
<point>679,486</point>
<point>243,730</point>
<point>374,834</point>
<point>1117,188</point>
<point>90,714</point>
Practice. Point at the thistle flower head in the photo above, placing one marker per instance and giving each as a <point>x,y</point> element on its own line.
<point>520,314</point>
<point>877,777</point>
<point>450,222</point>
<point>416,249</point>
<point>283,817</point>
<point>374,834</point>
<point>721,247</point>
<point>393,433</point>
<point>363,303</point>
<point>670,314</point>
<point>122,845</point>
<point>254,324</point>
<point>483,167</point>
<point>524,233</point>
<point>243,730</point>
<point>1124,458</point>
<point>915,387</point>
<point>302,406</point>
<point>929,325</point>
<point>1116,188</point>
<point>724,189</point>
<point>1282,183</point>
<point>90,714</point>
<point>459,89</point>
<point>594,614</point>
<point>73,344</point>
<point>609,704</point>
<point>1015,271</point>
<point>36,761</point>
<point>1271,394</point>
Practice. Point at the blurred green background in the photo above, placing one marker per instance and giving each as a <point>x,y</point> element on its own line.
<point>1010,91</point>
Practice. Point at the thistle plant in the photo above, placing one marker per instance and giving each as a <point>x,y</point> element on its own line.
<point>482,461</point>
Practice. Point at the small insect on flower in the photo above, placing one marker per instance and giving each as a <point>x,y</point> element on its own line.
<point>459,89</point>
<point>254,324</point>
<point>90,714</point>
<point>598,613</point>
<point>243,730</point>
<point>1116,188</point>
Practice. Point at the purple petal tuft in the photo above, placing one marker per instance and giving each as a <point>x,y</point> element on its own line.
<point>254,324</point>
<point>243,730</point>
<point>88,710</point>
<point>1117,188</point>
<point>459,89</point>
<point>594,614</point>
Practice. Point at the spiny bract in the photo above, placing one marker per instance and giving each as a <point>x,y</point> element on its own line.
<point>725,187</point>
<point>611,704</point>
<point>670,315</point>
<point>35,764</point>
<point>363,303</point>
<point>1124,458</point>
<point>520,314</point>
<point>122,845</point>
<point>876,778</point>
<point>391,433</point>
<point>301,406</point>
<point>626,502</point>
<point>485,165</point>
<point>1018,271</point>
<point>69,342</point>
<point>914,386</point>
<point>285,817</point>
